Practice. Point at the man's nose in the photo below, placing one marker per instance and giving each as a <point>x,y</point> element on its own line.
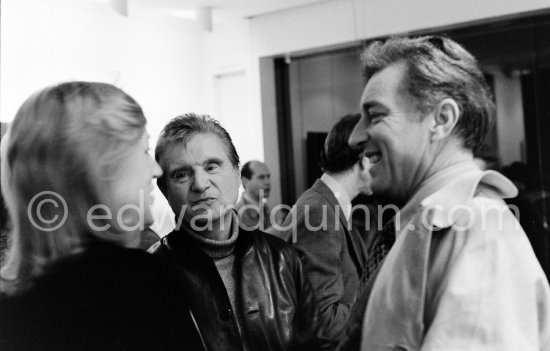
<point>359,134</point>
<point>157,170</point>
<point>200,181</point>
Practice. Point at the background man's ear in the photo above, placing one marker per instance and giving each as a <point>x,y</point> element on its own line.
<point>445,116</point>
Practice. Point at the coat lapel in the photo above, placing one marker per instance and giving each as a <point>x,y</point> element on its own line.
<point>352,238</point>
<point>400,290</point>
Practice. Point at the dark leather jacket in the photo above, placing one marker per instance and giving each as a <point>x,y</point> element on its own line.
<point>276,308</point>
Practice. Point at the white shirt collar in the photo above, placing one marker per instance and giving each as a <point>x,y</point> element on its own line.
<point>339,193</point>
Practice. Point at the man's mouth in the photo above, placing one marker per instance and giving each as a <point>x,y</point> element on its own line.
<point>205,201</point>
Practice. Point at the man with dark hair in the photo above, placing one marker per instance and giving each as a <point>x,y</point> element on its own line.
<point>247,290</point>
<point>319,224</point>
<point>252,208</point>
<point>461,273</point>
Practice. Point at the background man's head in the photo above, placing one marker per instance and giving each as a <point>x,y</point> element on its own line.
<point>337,157</point>
<point>256,180</point>
<point>201,167</point>
<point>420,92</point>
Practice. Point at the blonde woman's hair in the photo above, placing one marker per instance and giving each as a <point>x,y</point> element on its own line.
<point>67,140</point>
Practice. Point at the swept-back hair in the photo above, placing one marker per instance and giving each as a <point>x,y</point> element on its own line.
<point>182,128</point>
<point>66,141</point>
<point>438,68</point>
<point>337,156</point>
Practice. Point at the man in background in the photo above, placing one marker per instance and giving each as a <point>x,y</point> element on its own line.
<point>319,225</point>
<point>252,208</point>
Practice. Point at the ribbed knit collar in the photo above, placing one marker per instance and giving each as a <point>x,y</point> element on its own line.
<point>217,249</point>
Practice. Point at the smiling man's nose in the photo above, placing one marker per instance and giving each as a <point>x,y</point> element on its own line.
<point>359,135</point>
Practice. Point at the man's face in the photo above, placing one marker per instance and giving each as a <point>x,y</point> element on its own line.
<point>200,179</point>
<point>259,183</point>
<point>394,135</point>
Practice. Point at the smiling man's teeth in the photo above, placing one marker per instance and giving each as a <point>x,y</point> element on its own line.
<point>374,158</point>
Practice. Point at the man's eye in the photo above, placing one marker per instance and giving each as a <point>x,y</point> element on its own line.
<point>181,176</point>
<point>375,116</point>
<point>212,167</point>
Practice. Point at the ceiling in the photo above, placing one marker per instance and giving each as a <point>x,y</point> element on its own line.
<point>220,8</point>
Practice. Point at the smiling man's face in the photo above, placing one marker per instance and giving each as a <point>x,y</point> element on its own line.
<point>200,178</point>
<point>394,135</point>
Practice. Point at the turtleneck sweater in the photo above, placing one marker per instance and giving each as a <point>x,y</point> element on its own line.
<point>221,252</point>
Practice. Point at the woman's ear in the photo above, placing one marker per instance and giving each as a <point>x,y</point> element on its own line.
<point>445,117</point>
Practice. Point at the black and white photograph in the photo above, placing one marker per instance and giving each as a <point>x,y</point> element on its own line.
<point>275,175</point>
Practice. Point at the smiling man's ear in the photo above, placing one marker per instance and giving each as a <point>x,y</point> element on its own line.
<point>445,117</point>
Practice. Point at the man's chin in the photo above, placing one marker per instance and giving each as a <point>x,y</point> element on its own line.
<point>209,215</point>
<point>201,221</point>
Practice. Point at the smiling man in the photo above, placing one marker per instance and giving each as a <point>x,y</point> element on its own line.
<point>247,289</point>
<point>461,273</point>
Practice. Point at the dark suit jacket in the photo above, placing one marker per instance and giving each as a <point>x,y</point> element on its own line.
<point>332,253</point>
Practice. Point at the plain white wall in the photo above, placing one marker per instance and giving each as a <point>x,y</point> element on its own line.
<point>48,41</point>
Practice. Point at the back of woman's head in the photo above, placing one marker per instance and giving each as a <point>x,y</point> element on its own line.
<point>62,151</point>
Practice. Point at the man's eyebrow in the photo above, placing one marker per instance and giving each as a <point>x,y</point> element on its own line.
<point>212,160</point>
<point>372,103</point>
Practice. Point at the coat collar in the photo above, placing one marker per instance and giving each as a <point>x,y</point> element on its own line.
<point>340,194</point>
<point>452,188</point>
<point>324,191</point>
<point>180,241</point>
<point>320,187</point>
